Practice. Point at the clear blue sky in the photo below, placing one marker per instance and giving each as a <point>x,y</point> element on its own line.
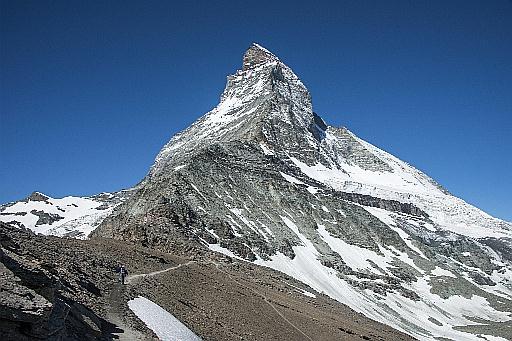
<point>91,90</point>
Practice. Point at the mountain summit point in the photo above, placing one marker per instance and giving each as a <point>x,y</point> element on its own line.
<point>257,54</point>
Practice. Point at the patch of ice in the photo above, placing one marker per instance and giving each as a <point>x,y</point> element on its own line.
<point>291,225</point>
<point>198,191</point>
<point>266,150</point>
<point>302,291</point>
<point>312,190</point>
<point>354,256</point>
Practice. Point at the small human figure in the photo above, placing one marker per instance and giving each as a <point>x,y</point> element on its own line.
<point>122,273</point>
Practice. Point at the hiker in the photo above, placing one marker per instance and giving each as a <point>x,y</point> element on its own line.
<point>122,273</point>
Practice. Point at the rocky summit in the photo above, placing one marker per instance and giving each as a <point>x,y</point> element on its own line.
<point>262,222</point>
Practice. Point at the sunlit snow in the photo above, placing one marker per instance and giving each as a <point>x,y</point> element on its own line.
<point>161,322</point>
<point>78,215</point>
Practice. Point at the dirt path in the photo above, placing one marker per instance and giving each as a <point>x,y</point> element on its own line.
<point>118,306</point>
<point>132,278</point>
<point>218,265</point>
<point>117,309</point>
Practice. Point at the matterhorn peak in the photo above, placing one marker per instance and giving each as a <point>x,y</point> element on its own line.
<point>264,96</point>
<point>263,179</point>
<point>257,54</point>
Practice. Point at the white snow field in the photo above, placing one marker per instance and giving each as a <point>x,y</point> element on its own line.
<point>160,321</point>
<point>73,216</point>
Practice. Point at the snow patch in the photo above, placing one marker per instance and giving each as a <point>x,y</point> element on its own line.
<point>291,179</point>
<point>386,218</point>
<point>77,215</point>
<point>223,250</point>
<point>302,291</point>
<point>266,150</point>
<point>442,272</point>
<point>160,321</point>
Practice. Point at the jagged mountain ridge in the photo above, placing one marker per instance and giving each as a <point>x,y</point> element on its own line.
<point>266,103</point>
<point>261,177</point>
<point>71,216</point>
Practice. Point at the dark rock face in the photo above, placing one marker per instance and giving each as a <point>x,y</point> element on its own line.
<point>256,55</point>
<point>36,196</point>
<point>22,307</point>
<point>347,145</point>
<point>46,218</point>
<point>389,205</point>
<point>32,300</point>
<point>501,245</point>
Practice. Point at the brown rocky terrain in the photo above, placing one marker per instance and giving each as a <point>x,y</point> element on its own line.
<point>66,289</point>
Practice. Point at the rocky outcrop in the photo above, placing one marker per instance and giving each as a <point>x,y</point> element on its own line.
<point>33,299</point>
<point>22,309</point>
<point>37,196</point>
<point>46,218</point>
<point>389,205</point>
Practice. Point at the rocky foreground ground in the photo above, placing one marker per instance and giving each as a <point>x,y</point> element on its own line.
<point>66,289</point>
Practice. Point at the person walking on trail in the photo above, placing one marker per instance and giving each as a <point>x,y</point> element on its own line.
<point>122,273</point>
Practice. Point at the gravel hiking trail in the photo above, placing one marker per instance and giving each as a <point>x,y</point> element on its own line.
<point>132,278</point>
<point>119,306</point>
<point>265,298</point>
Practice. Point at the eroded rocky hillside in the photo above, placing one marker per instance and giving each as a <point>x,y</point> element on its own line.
<point>65,289</point>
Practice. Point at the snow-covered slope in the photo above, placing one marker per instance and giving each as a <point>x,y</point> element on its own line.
<point>397,180</point>
<point>267,102</point>
<point>70,216</point>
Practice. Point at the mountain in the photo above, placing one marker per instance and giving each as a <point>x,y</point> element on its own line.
<point>66,217</point>
<point>263,180</point>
